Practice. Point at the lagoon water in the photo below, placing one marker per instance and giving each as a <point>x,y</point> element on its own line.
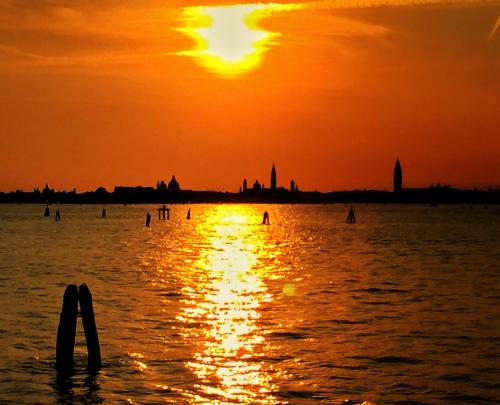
<point>402,307</point>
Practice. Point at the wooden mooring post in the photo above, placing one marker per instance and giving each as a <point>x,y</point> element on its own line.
<point>89,327</point>
<point>351,218</point>
<point>162,211</point>
<point>67,329</point>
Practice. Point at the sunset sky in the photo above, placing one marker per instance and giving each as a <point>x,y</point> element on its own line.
<point>127,92</point>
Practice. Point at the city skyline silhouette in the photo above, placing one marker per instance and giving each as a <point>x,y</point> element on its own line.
<point>120,94</point>
<point>172,192</point>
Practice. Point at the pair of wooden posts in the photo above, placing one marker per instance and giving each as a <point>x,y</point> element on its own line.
<point>67,329</point>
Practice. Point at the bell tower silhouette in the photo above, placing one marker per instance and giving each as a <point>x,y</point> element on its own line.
<point>273,178</point>
<point>398,177</point>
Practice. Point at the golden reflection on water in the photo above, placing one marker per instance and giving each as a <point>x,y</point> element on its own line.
<point>226,290</point>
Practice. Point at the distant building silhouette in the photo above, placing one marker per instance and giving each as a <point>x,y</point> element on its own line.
<point>292,186</point>
<point>273,178</point>
<point>256,185</point>
<point>161,186</point>
<point>48,192</point>
<point>398,177</point>
<point>173,185</point>
<point>245,185</point>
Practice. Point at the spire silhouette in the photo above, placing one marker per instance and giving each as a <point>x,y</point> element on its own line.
<point>398,177</point>
<point>273,178</point>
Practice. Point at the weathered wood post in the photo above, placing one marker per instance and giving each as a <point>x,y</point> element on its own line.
<point>265,219</point>
<point>161,212</point>
<point>67,330</point>
<point>148,219</point>
<point>351,218</point>
<point>46,211</point>
<point>89,326</point>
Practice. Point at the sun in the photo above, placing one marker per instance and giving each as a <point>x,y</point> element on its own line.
<point>228,39</point>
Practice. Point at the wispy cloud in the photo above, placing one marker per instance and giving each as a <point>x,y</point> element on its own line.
<point>343,4</point>
<point>79,32</point>
<point>354,4</point>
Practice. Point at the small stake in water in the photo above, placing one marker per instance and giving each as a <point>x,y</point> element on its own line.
<point>148,219</point>
<point>103,213</point>
<point>351,218</point>
<point>265,220</point>
<point>58,216</point>
<point>189,214</point>
<point>46,212</point>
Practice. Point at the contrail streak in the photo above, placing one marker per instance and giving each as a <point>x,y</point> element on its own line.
<point>494,29</point>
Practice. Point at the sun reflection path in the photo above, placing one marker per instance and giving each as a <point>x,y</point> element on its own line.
<point>222,312</point>
<point>228,39</point>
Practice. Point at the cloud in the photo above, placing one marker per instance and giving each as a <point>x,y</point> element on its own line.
<point>347,4</point>
<point>78,32</point>
<point>362,4</point>
<point>91,31</point>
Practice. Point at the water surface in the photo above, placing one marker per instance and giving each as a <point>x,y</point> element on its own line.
<point>401,307</point>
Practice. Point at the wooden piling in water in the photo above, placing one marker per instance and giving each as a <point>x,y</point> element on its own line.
<point>265,219</point>
<point>351,218</point>
<point>161,212</point>
<point>67,330</point>
<point>89,327</point>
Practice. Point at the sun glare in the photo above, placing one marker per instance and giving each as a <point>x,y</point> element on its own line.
<point>228,39</point>
<point>224,303</point>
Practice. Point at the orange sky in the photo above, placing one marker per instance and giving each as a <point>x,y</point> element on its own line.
<point>94,95</point>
